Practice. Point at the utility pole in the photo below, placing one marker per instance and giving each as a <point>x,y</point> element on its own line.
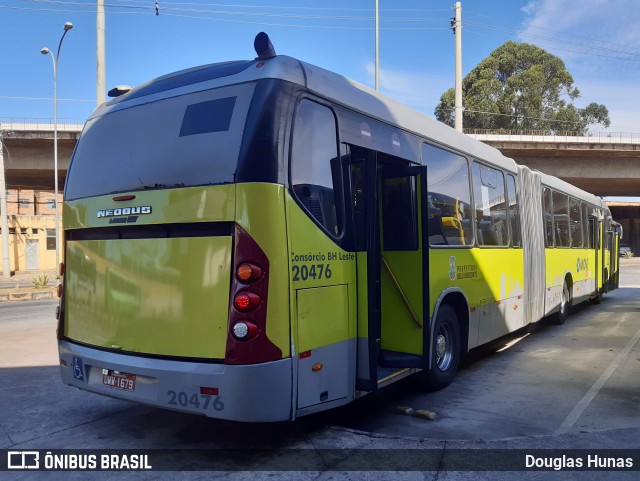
<point>457,28</point>
<point>377,63</point>
<point>101,69</point>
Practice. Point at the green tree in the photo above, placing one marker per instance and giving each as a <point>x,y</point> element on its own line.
<point>521,87</point>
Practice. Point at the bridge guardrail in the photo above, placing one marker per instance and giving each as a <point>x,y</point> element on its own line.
<point>542,136</point>
<point>40,124</point>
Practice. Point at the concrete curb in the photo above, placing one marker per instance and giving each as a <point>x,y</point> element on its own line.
<point>27,296</point>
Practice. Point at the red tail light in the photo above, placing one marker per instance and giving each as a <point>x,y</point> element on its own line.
<point>247,341</point>
<point>246,301</point>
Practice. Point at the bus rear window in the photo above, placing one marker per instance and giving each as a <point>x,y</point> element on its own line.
<point>182,141</point>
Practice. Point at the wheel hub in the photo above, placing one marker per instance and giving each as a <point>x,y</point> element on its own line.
<point>441,346</point>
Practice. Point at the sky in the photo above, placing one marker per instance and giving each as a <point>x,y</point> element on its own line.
<point>599,41</point>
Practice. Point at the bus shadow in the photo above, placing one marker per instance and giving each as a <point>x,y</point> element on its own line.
<point>412,392</point>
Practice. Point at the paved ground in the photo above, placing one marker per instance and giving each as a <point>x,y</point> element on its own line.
<point>566,387</point>
<point>583,376</point>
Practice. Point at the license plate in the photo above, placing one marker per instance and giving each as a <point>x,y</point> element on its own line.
<point>119,380</point>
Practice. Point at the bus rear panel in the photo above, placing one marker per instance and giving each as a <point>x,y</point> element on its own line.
<point>157,305</point>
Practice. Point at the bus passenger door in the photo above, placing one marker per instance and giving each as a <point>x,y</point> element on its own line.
<point>403,291</point>
<point>610,259</point>
<point>594,234</point>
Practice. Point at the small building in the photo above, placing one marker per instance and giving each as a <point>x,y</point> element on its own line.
<point>27,188</point>
<point>31,224</point>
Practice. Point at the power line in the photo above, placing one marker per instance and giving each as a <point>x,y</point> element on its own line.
<point>552,39</point>
<point>43,98</point>
<point>288,7</point>
<point>335,27</point>
<point>151,11</point>
<point>582,52</point>
<point>467,12</point>
<point>250,14</point>
<point>522,117</point>
<point>185,13</point>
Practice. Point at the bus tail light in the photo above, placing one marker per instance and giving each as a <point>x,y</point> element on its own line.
<point>248,272</point>
<point>247,341</point>
<point>246,301</point>
<point>244,330</point>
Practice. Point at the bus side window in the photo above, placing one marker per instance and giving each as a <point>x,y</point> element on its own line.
<point>314,164</point>
<point>547,206</point>
<point>514,212</point>
<point>561,219</point>
<point>399,215</point>
<point>576,223</point>
<point>587,229</point>
<point>449,216</point>
<point>490,205</point>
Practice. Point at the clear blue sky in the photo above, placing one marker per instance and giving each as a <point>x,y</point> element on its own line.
<point>599,40</point>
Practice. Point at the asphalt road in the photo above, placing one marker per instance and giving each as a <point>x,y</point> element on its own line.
<point>582,376</point>
<point>575,386</point>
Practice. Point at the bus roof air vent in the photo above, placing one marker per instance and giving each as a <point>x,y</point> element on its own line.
<point>264,47</point>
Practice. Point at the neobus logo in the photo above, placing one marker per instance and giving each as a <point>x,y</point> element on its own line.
<point>145,209</point>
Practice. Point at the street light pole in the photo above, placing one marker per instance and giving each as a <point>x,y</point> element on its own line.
<point>67,26</point>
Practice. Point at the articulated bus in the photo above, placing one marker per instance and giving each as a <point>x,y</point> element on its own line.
<point>260,240</point>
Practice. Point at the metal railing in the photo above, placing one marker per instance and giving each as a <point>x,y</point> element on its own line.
<point>545,136</point>
<point>40,124</point>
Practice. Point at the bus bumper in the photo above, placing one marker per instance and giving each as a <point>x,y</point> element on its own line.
<point>252,393</point>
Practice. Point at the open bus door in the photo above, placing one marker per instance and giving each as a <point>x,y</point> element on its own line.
<point>396,264</point>
<point>617,236</point>
<point>611,269</point>
<point>595,228</point>
<point>401,277</point>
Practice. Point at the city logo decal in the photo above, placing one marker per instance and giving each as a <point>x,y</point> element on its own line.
<point>452,268</point>
<point>582,265</point>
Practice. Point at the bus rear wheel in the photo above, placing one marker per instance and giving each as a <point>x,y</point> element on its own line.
<point>445,350</point>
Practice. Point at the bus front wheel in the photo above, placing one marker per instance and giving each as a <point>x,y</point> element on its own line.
<point>445,349</point>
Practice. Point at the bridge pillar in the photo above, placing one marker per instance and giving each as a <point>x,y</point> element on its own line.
<point>6,268</point>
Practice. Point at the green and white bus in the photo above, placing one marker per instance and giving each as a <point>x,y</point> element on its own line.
<point>260,240</point>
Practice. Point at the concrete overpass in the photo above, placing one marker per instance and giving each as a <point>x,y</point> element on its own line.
<point>605,164</point>
<point>27,152</point>
<point>601,163</point>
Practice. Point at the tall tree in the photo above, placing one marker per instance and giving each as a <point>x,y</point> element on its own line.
<point>520,86</point>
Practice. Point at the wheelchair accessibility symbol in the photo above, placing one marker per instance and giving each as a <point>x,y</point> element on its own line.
<point>78,368</point>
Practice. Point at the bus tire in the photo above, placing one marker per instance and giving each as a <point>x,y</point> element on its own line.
<point>445,351</point>
<point>597,299</point>
<point>565,304</point>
